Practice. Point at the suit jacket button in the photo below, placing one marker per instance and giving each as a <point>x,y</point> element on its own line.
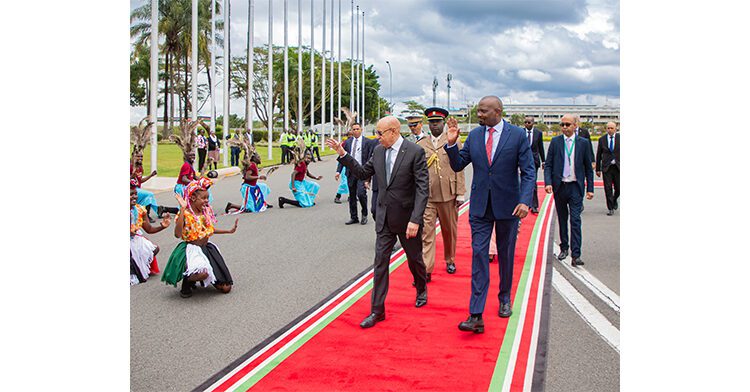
<point>490,172</point>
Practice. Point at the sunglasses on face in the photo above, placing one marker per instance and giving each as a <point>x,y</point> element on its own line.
<point>528,122</point>
<point>562,124</point>
<point>411,125</point>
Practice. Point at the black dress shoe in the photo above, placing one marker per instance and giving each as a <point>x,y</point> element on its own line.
<point>337,200</point>
<point>563,254</point>
<point>429,277</point>
<point>576,261</point>
<point>372,319</point>
<point>534,210</point>
<point>473,323</point>
<point>451,268</point>
<point>352,221</point>
<point>281,203</point>
<point>363,221</point>
<point>421,298</point>
<point>505,310</point>
<point>610,212</point>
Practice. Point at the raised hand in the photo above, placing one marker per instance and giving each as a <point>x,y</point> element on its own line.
<point>336,146</point>
<point>452,132</point>
<point>181,201</point>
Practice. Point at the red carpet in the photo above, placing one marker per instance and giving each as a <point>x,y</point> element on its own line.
<point>413,349</point>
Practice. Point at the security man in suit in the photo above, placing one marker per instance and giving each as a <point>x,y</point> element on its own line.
<point>415,127</point>
<point>360,148</point>
<point>567,172</point>
<point>537,150</point>
<point>608,162</point>
<point>447,189</point>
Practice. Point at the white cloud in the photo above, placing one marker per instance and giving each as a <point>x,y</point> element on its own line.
<point>534,75</point>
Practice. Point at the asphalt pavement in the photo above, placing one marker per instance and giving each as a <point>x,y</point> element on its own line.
<point>284,261</point>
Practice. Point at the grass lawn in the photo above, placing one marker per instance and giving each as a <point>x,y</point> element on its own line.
<point>170,158</point>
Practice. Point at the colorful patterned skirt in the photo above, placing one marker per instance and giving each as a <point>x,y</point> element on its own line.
<point>141,256</point>
<point>343,183</point>
<point>306,192</point>
<point>254,197</point>
<point>187,259</point>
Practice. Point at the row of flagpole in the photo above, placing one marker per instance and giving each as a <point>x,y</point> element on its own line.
<point>357,70</point>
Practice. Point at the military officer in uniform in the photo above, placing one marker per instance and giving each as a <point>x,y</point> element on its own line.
<point>446,193</point>
<point>415,127</point>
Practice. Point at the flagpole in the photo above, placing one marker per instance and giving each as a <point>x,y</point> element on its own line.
<point>286,66</point>
<point>269,101</point>
<point>362,80</point>
<point>330,96</point>
<point>250,71</point>
<point>300,125</point>
<point>323,77</point>
<point>312,66</point>
<point>339,111</point>
<point>154,80</point>
<point>227,59</point>
<point>212,90</point>
<point>194,67</point>
<point>351,64</point>
<point>356,71</point>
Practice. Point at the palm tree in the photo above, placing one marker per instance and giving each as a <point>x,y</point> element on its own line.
<point>174,29</point>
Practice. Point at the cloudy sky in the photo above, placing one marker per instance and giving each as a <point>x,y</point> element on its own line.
<point>548,51</point>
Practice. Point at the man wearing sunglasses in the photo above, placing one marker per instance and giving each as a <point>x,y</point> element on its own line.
<point>400,171</point>
<point>534,137</point>
<point>415,127</point>
<point>500,197</point>
<point>567,172</point>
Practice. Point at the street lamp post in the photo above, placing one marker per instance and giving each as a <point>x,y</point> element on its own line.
<point>390,84</point>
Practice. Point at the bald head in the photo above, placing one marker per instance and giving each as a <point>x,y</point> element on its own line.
<point>389,130</point>
<point>490,110</point>
<point>611,128</point>
<point>568,124</point>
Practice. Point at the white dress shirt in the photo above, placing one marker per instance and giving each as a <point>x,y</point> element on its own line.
<point>394,152</point>
<point>357,154</point>
<point>572,176</point>
<point>495,137</point>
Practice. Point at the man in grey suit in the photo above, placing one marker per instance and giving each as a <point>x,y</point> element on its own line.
<point>400,171</point>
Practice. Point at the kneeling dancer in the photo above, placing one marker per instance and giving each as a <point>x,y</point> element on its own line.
<point>196,259</point>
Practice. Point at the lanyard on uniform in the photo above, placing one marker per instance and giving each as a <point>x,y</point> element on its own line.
<point>570,152</point>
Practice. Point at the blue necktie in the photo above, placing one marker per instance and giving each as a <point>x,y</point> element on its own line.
<point>611,144</point>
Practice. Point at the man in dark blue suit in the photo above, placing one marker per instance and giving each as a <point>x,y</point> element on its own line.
<point>497,151</point>
<point>359,147</point>
<point>568,164</point>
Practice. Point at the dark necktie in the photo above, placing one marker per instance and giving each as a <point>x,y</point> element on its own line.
<point>529,136</point>
<point>611,144</point>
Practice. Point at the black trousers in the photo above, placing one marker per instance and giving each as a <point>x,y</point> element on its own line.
<point>383,248</point>
<point>569,204</point>
<point>357,192</point>
<point>284,154</point>
<point>201,158</point>
<point>316,152</point>
<point>534,196</point>
<point>611,179</point>
<point>374,204</point>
